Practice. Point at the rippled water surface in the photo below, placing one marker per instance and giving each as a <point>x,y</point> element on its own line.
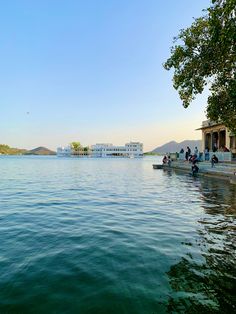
<point>114,236</point>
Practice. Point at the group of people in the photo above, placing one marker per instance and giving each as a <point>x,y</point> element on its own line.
<point>188,154</point>
<point>223,148</point>
<point>166,160</point>
<point>193,158</point>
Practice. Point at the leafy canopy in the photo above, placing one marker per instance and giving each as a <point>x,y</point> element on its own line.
<point>76,146</point>
<point>205,54</point>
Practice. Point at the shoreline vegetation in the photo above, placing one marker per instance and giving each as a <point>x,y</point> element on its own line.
<point>7,150</point>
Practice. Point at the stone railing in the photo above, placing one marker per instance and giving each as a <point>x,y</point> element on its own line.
<point>222,156</point>
<point>181,156</point>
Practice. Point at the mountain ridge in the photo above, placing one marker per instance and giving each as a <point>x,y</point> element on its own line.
<point>173,146</point>
<point>40,151</point>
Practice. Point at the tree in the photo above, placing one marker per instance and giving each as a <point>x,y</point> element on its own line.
<point>76,146</point>
<point>205,54</point>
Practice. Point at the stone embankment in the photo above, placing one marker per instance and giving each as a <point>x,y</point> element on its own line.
<point>221,170</point>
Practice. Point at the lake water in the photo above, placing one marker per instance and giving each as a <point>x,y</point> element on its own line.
<point>114,236</point>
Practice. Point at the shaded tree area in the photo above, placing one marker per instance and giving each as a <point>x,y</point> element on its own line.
<point>76,146</point>
<point>205,55</point>
<point>7,150</point>
<point>78,149</point>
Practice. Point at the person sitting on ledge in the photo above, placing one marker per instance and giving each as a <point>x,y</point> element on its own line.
<point>164,160</point>
<point>214,160</point>
<point>169,161</point>
<point>195,168</point>
<point>193,158</point>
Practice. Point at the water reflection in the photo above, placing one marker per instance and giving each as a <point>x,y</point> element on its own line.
<point>204,280</point>
<point>220,194</point>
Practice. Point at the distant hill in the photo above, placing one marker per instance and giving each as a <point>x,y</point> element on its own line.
<point>40,151</point>
<point>173,146</point>
<point>7,150</point>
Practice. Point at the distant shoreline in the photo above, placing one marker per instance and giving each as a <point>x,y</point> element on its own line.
<point>11,151</point>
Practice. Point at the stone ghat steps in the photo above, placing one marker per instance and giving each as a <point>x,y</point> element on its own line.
<point>223,170</point>
<point>207,165</point>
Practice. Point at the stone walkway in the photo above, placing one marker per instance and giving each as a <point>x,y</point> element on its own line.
<point>224,170</point>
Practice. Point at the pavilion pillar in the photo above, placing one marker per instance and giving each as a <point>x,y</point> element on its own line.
<point>211,142</point>
<point>227,138</point>
<point>203,141</point>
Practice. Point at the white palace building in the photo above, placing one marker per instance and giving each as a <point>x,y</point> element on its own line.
<point>130,150</point>
<point>106,150</point>
<point>64,151</point>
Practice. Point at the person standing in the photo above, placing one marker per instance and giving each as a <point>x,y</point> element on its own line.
<point>215,148</point>
<point>188,153</point>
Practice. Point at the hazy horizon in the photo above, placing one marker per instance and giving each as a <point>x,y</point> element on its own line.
<point>120,144</point>
<point>92,72</point>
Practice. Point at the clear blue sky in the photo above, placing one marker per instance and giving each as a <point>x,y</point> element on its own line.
<point>92,71</point>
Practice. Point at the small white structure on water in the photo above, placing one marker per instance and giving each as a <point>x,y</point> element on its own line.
<point>64,151</point>
<point>129,150</point>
